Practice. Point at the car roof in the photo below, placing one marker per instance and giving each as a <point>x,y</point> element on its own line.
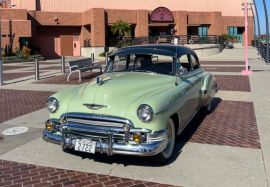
<point>161,49</point>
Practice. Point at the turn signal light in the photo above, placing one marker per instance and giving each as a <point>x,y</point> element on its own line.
<point>49,126</point>
<point>137,137</point>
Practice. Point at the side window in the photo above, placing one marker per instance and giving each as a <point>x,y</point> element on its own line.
<point>119,63</point>
<point>184,60</point>
<point>194,62</point>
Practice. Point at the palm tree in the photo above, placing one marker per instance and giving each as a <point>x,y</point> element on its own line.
<point>121,28</point>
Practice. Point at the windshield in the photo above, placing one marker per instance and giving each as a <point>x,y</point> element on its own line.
<point>142,63</point>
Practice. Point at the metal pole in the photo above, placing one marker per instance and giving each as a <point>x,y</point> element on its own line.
<point>254,23</point>
<point>10,38</point>
<point>106,58</point>
<point>93,57</point>
<point>1,62</point>
<point>246,71</point>
<point>36,69</point>
<point>63,64</point>
<point>267,32</point>
<point>258,21</point>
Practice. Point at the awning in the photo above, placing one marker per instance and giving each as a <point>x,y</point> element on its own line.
<point>161,24</point>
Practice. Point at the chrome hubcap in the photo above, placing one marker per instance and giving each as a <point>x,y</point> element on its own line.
<point>171,138</point>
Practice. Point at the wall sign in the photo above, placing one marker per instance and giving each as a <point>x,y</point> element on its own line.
<point>162,14</point>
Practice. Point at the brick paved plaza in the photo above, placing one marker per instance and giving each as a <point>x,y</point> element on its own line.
<point>225,148</point>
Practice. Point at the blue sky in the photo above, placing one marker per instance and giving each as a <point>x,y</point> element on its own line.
<point>262,15</point>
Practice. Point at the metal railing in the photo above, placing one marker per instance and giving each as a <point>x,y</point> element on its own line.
<point>262,49</point>
<point>181,40</point>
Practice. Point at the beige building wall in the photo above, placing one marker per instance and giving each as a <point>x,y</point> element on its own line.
<point>24,4</point>
<point>227,7</point>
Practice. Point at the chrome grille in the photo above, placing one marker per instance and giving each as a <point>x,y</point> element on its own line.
<point>96,127</point>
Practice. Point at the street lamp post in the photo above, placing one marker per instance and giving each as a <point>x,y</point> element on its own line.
<point>267,32</point>
<point>246,71</point>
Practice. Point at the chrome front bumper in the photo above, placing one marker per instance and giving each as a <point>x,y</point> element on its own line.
<point>156,143</point>
<point>110,148</point>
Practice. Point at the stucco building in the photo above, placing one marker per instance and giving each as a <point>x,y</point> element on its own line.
<point>68,27</point>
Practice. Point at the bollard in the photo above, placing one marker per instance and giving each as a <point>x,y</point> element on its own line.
<point>36,69</point>
<point>63,64</point>
<point>106,58</point>
<point>1,71</point>
<point>93,57</point>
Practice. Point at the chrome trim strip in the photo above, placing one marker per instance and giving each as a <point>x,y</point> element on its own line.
<point>95,123</point>
<point>90,128</point>
<point>51,137</point>
<point>98,117</point>
<point>94,106</point>
<point>157,136</point>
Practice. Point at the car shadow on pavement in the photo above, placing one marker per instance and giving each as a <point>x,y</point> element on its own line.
<point>181,140</point>
<point>191,128</point>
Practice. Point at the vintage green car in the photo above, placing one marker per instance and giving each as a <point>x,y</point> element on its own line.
<point>145,98</point>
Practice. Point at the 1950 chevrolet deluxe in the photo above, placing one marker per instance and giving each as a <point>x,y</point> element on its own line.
<point>147,95</point>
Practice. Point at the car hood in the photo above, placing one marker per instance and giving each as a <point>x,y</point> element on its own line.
<point>118,92</point>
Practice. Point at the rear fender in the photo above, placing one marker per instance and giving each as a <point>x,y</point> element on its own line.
<point>209,89</point>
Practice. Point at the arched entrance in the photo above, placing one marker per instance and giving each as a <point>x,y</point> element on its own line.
<point>161,22</point>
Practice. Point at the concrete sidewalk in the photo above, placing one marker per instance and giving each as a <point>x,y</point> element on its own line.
<point>211,157</point>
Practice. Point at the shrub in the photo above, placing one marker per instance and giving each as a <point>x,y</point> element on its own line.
<point>4,54</point>
<point>228,37</point>
<point>103,54</point>
<point>25,52</point>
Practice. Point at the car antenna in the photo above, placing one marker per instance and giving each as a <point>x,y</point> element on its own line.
<point>176,76</point>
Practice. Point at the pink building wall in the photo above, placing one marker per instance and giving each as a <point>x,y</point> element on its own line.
<point>227,7</point>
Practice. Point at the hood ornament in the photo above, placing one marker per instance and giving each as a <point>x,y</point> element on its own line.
<point>102,79</point>
<point>94,106</point>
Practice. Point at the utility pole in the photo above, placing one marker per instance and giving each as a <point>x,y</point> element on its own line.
<point>267,32</point>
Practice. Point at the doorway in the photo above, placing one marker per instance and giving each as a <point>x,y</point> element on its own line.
<point>160,30</point>
<point>76,46</point>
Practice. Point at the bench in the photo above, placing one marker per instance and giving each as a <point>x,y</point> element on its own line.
<point>82,66</point>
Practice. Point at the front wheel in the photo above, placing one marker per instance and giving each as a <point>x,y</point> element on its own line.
<point>168,151</point>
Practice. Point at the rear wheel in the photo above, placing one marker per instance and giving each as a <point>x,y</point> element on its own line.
<point>167,153</point>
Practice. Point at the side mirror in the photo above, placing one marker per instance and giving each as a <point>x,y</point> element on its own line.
<point>179,74</point>
<point>181,71</point>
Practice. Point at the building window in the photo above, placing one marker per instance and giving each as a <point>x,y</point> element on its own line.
<point>203,30</point>
<point>23,42</point>
<point>233,31</point>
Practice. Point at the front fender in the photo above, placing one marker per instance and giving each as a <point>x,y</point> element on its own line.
<point>64,97</point>
<point>209,89</point>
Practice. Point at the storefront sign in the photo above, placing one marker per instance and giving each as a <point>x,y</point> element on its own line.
<point>162,14</point>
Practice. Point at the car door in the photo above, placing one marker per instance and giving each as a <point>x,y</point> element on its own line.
<point>190,83</point>
<point>196,75</point>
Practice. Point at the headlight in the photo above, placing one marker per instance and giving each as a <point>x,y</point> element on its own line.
<point>145,113</point>
<point>52,105</point>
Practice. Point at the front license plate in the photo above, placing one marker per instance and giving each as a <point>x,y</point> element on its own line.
<point>85,145</point>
